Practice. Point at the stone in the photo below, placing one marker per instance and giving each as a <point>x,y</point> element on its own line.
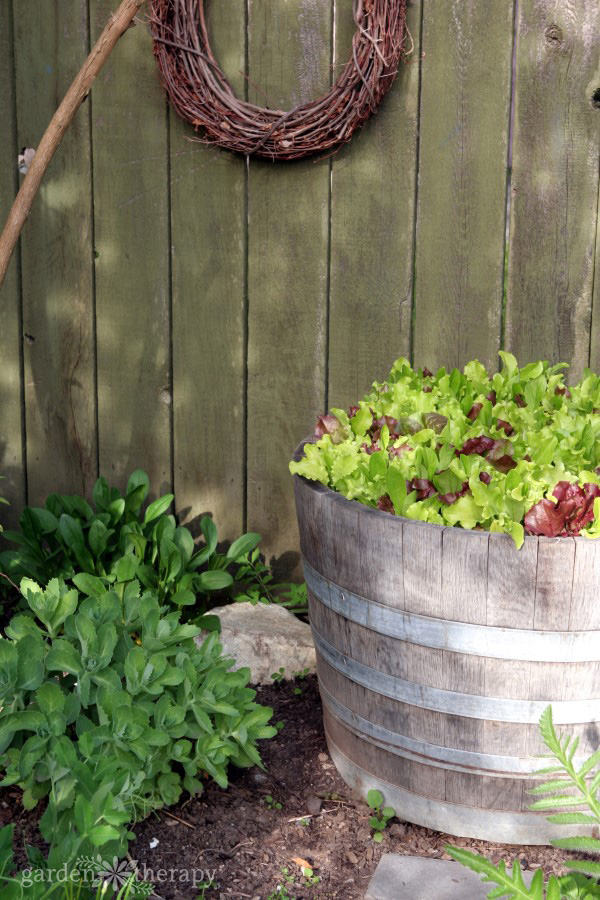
<point>418,878</point>
<point>265,637</point>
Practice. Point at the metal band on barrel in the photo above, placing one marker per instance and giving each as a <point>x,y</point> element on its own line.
<point>432,754</point>
<point>503,826</point>
<point>459,637</point>
<point>565,712</point>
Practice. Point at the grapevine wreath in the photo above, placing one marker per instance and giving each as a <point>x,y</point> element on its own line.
<point>202,95</point>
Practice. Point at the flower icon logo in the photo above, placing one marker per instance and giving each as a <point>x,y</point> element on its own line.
<point>115,873</point>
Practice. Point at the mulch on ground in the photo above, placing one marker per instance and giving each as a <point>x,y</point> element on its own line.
<point>235,838</point>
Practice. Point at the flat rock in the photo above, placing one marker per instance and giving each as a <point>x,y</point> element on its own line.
<point>265,637</point>
<point>418,878</point>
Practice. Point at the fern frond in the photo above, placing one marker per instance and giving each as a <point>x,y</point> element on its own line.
<point>587,866</point>
<point>572,818</point>
<point>558,801</point>
<point>583,843</point>
<point>578,886</point>
<point>511,887</point>
<point>547,786</point>
<point>590,764</point>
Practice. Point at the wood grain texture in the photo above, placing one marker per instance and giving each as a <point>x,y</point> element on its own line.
<point>472,577</point>
<point>422,571</point>
<point>556,558</point>
<point>465,575</point>
<point>11,449</point>
<point>464,126</point>
<point>554,189</point>
<point>508,567</point>
<point>372,229</point>
<point>51,41</point>
<point>208,202</point>
<point>131,217</point>
<point>595,336</point>
<point>585,609</point>
<point>289,54</point>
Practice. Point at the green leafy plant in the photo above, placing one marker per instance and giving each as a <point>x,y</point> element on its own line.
<point>110,710</point>
<point>381,814</point>
<point>279,676</point>
<point>119,539</point>
<point>570,788</point>
<point>271,803</point>
<point>47,878</point>
<point>299,676</point>
<point>256,584</point>
<point>515,452</point>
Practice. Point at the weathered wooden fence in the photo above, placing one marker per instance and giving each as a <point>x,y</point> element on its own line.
<point>175,308</point>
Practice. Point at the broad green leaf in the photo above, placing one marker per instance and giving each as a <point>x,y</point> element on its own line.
<point>158,508</point>
<point>243,545</point>
<point>213,580</point>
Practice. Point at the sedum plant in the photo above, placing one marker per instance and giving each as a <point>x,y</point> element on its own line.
<point>515,452</point>
<point>110,710</point>
<point>569,789</point>
<point>68,883</point>
<point>119,540</point>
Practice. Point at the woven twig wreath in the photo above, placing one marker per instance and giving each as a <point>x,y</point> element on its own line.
<point>201,94</point>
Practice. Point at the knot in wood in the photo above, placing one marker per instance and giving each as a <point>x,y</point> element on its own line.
<point>554,36</point>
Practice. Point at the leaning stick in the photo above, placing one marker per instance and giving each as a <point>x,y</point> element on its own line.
<point>62,118</point>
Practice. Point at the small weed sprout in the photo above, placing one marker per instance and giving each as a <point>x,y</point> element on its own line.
<point>271,803</point>
<point>381,814</point>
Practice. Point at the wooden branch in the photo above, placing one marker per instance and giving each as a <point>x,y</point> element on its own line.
<point>62,118</point>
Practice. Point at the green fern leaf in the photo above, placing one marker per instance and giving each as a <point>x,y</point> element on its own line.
<point>595,784</point>
<point>558,801</point>
<point>573,749</point>
<point>585,844</point>
<point>590,764</point>
<point>572,818</point>
<point>512,887</point>
<point>588,867</point>
<point>558,785</point>
<point>553,891</point>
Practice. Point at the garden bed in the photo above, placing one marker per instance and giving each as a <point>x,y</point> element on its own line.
<point>233,834</point>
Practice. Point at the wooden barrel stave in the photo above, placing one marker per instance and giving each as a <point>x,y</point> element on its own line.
<point>441,580</point>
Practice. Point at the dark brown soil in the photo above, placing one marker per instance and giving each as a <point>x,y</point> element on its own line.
<point>249,849</point>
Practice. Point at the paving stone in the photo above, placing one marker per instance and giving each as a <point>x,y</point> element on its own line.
<point>418,878</point>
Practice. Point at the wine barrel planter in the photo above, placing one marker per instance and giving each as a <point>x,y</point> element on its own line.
<point>438,649</point>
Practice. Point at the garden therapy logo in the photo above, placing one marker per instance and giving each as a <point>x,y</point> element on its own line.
<point>116,874</point>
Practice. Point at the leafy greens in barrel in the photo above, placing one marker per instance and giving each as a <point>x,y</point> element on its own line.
<point>516,451</point>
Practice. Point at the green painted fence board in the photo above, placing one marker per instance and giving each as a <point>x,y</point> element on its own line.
<point>372,230</point>
<point>11,450</point>
<point>131,234</point>
<point>464,125</point>
<point>51,42</point>
<point>229,300</point>
<point>289,60</point>
<point>209,233</point>
<point>554,198</point>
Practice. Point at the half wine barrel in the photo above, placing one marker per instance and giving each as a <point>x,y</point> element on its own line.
<point>438,649</point>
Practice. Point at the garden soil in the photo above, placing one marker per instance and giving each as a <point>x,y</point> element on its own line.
<point>251,847</point>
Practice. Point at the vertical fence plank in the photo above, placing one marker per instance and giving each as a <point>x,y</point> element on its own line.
<point>595,338</point>
<point>464,125</point>
<point>131,236</point>
<point>372,229</point>
<point>51,42</point>
<point>554,182</point>
<point>289,60</point>
<point>11,450</point>
<point>208,233</point>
